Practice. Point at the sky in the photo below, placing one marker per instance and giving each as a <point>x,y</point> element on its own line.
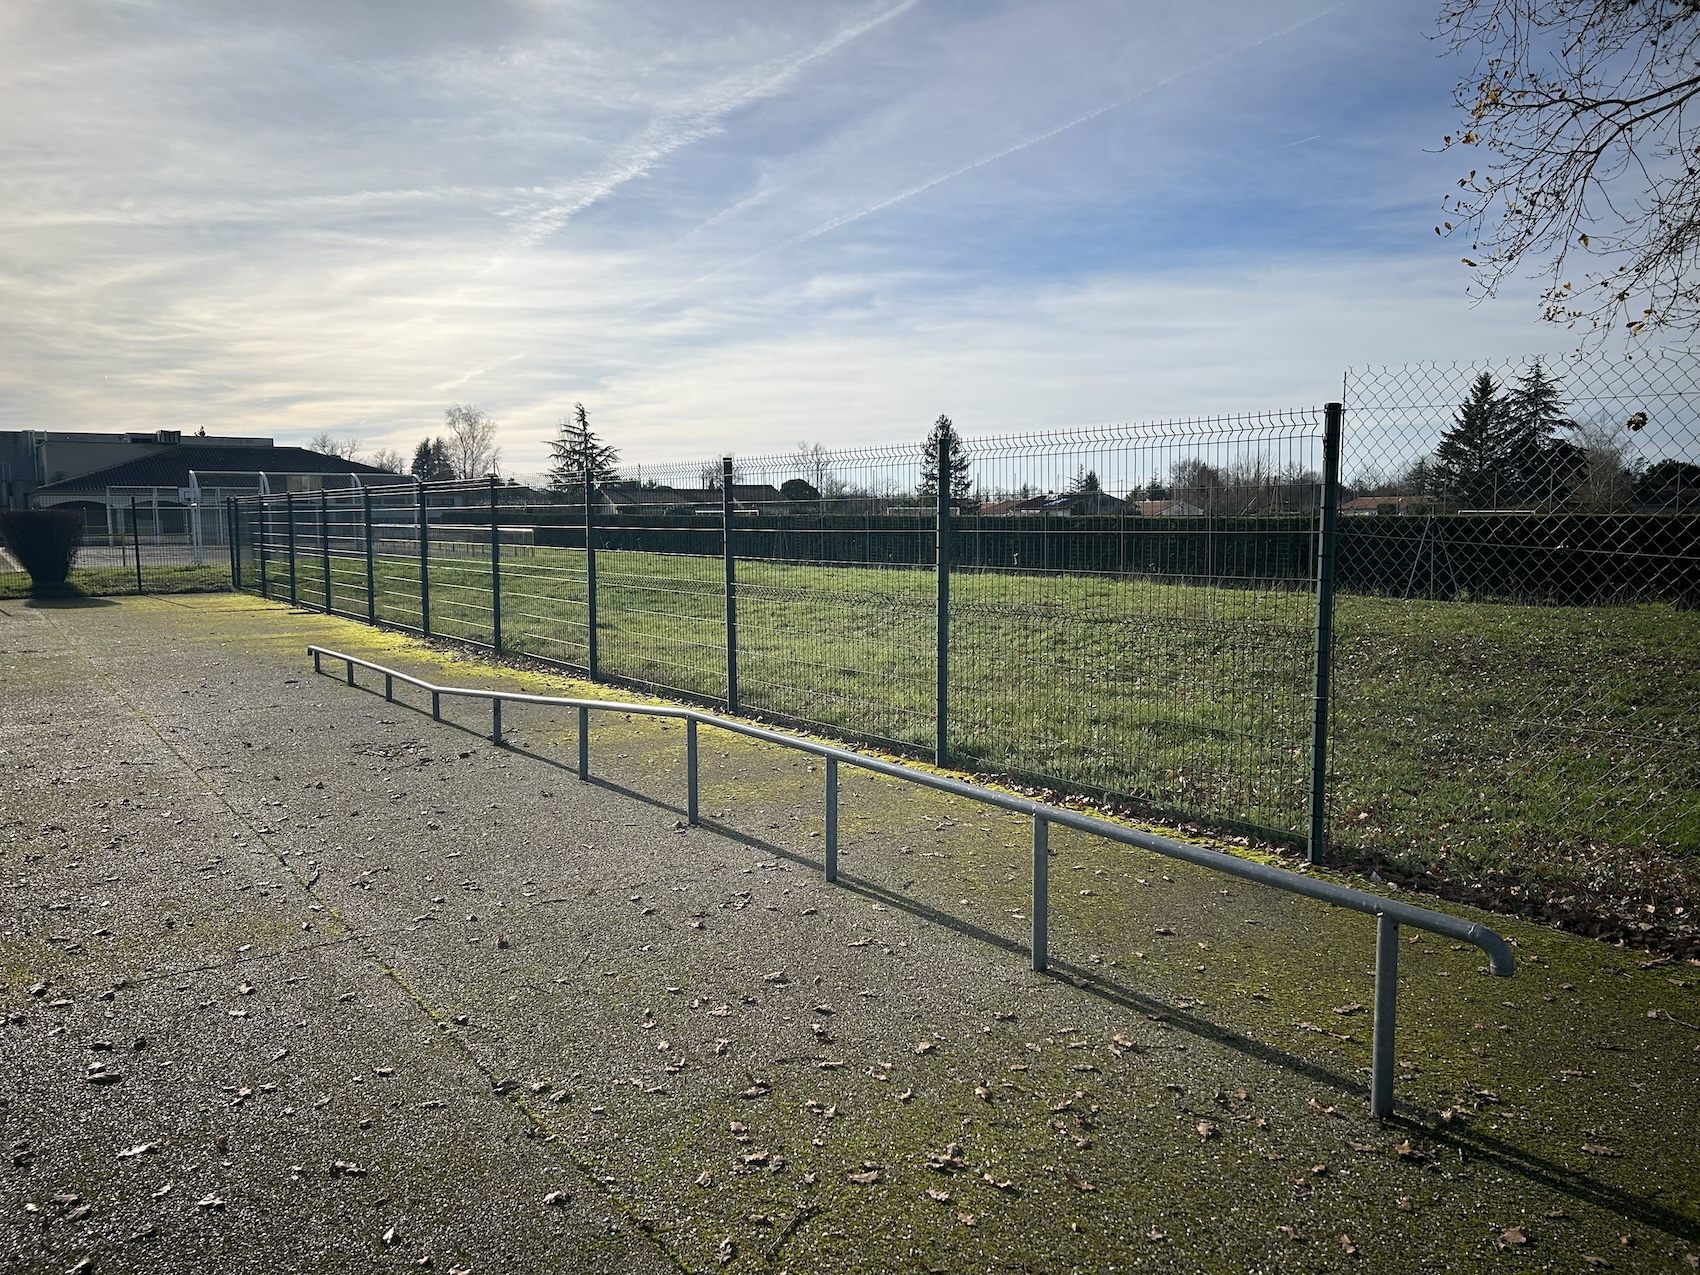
<point>720,226</point>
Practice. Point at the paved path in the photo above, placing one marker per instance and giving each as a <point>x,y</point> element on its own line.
<point>295,979</point>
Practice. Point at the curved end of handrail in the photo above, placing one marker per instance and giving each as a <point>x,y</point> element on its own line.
<point>1500,962</point>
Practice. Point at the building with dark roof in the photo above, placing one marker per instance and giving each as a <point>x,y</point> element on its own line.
<point>165,484</point>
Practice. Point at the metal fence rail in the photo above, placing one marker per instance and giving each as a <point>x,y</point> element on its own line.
<point>137,550</point>
<point>1448,629</point>
<point>1160,646</point>
<point>1390,914</point>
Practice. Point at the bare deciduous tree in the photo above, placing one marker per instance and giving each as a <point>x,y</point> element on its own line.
<point>472,441</point>
<point>328,444</point>
<point>1584,113</point>
<point>389,460</point>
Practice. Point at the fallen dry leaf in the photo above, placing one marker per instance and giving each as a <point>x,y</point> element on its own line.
<point>924,1046</point>
<point>1605,1153</point>
<point>933,1193</point>
<point>1206,1130</point>
<point>726,1252</point>
<point>1346,1245</point>
<point>1514,1235</point>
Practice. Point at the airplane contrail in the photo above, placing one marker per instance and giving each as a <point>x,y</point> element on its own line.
<point>869,210</point>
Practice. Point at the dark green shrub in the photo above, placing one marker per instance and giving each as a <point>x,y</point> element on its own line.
<point>45,541</point>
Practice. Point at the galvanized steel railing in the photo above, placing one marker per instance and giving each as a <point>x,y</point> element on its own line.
<point>1390,914</point>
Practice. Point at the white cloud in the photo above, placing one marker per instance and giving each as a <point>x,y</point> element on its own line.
<point>718,227</point>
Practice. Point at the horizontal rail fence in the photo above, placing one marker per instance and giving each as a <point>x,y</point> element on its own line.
<point>140,546</point>
<point>1519,567</point>
<point>1390,914</point>
<point>1129,611</point>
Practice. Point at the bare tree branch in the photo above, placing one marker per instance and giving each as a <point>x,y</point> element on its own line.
<point>1585,112</point>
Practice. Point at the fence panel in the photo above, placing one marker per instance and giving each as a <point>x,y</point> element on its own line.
<point>1135,613</point>
<point>177,548</point>
<point>1517,639</point>
<point>836,592</point>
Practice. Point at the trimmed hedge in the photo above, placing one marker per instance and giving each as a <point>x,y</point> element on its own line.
<point>45,541</point>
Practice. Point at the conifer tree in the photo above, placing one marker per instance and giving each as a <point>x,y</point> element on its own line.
<point>960,484</point>
<point>1472,461</point>
<point>577,451</point>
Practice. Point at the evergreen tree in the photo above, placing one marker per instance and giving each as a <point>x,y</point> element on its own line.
<point>577,451</point>
<point>960,484</point>
<point>431,461</point>
<point>1085,483</point>
<point>1472,464</point>
<point>1543,465</point>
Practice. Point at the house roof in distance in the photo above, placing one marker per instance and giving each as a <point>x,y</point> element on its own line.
<point>170,467</point>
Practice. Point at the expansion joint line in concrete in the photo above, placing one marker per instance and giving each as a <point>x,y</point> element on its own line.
<point>543,1134</point>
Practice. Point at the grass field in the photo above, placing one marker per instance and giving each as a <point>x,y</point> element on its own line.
<point>95,581</point>
<point>1562,743</point>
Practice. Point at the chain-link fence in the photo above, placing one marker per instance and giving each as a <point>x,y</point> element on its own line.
<point>138,545</point>
<point>1518,655</point>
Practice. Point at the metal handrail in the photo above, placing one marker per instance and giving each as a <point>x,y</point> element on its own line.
<point>1390,914</point>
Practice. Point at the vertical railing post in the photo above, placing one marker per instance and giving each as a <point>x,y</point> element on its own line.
<point>1386,999</point>
<point>584,743</point>
<point>260,547</point>
<point>496,720</point>
<point>289,529</point>
<point>1327,517</point>
<point>591,662</point>
<point>136,540</point>
<point>325,543</point>
<point>230,535</point>
<point>941,724</point>
<point>1041,892</point>
<point>726,517</point>
<point>371,558</point>
<point>495,567</point>
<point>831,820</point>
<point>691,789</point>
<point>424,563</point>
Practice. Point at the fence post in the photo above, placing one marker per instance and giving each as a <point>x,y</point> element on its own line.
<point>1386,998</point>
<point>1315,844</point>
<point>289,514</point>
<point>325,543</point>
<point>232,531</point>
<point>136,541</point>
<point>260,548</point>
<point>692,788</point>
<point>592,664</point>
<point>495,567</point>
<point>831,820</point>
<point>371,559</point>
<point>726,516</point>
<point>941,742</point>
<point>584,743</point>
<point>1041,892</point>
<point>424,564</point>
